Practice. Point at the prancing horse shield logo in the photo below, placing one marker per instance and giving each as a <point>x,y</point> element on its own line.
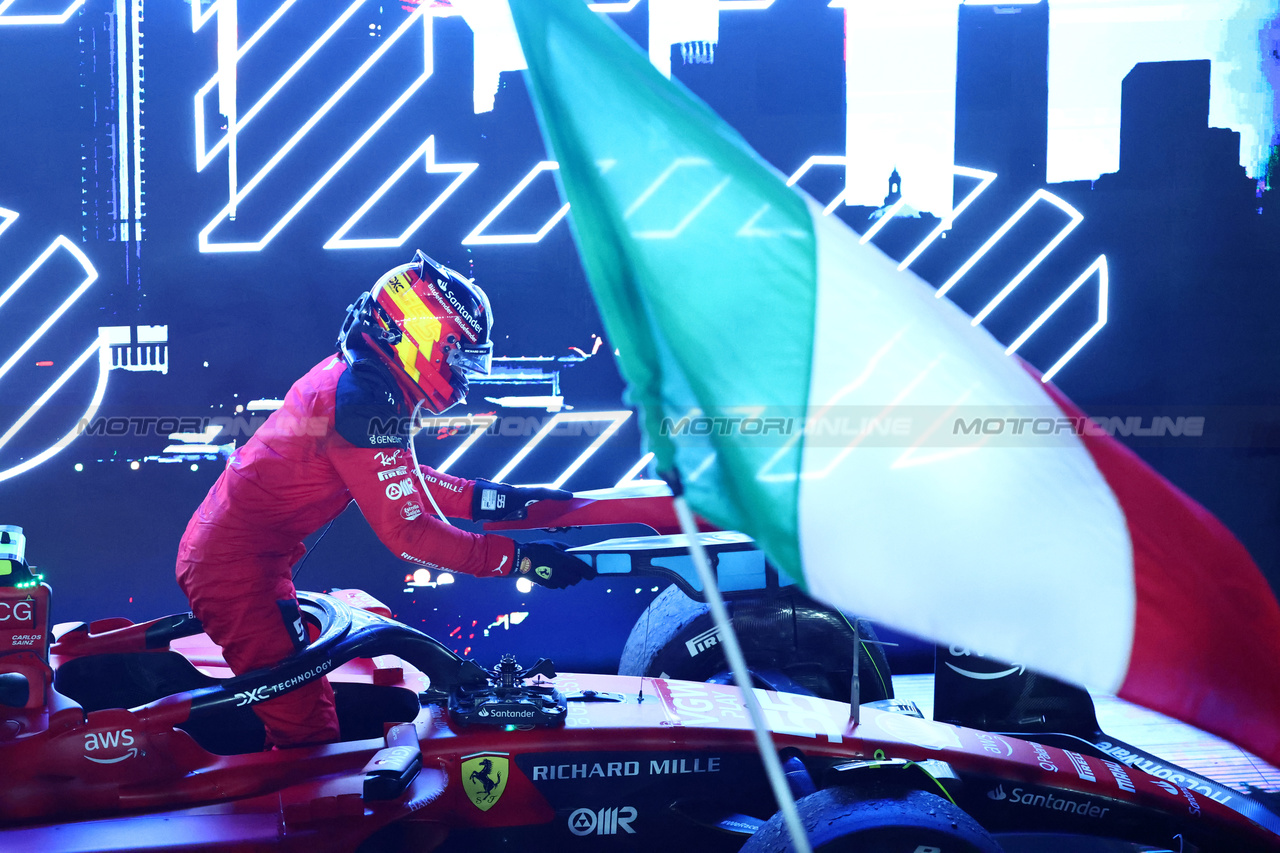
<point>484,778</point>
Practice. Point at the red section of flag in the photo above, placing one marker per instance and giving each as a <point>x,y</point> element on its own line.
<point>1206,646</point>
<point>44,364</point>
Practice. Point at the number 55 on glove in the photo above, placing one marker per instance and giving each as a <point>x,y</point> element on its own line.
<point>501,502</point>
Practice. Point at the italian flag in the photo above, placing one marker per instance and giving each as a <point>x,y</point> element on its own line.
<point>747,322</point>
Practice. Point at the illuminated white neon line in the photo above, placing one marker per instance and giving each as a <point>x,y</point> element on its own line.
<point>893,404</point>
<point>228,35</point>
<point>635,469</point>
<point>701,467</point>
<point>815,160</point>
<point>91,275</point>
<point>6,218</point>
<point>659,181</point>
<point>1004,229</point>
<point>1100,266</point>
<point>834,203</point>
<point>985,180</point>
<point>882,221</point>
<point>749,229</point>
<point>426,150</point>
<point>104,370</point>
<point>49,392</point>
<point>322,182</point>
<point>203,158</point>
<point>909,458</point>
<point>1076,219</point>
<point>387,44</point>
<point>198,18</point>
<point>852,385</point>
<point>209,434</point>
<point>266,25</point>
<point>591,450</point>
<point>135,62</point>
<point>672,233</point>
<point>821,160</point>
<point>477,237</point>
<point>487,420</point>
<point>562,417</point>
<point>122,123</point>
<point>725,5</point>
<point>193,449</point>
<point>544,401</point>
<point>261,31</point>
<point>21,20</point>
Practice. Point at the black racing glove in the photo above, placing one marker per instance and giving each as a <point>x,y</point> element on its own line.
<point>547,563</point>
<point>500,502</point>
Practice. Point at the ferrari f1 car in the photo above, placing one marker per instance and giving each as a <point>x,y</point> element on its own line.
<point>122,736</point>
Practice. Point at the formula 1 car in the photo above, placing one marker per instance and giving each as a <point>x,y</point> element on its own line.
<point>122,736</point>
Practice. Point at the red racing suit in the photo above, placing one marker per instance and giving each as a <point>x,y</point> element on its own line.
<point>331,441</point>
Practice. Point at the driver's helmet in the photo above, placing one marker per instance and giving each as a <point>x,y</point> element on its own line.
<point>430,325</point>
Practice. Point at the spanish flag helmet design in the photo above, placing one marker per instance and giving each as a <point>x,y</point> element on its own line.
<point>430,325</point>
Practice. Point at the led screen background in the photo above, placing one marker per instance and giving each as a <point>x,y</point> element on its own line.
<point>1108,160</point>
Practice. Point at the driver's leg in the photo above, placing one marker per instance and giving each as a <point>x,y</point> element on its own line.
<point>242,612</point>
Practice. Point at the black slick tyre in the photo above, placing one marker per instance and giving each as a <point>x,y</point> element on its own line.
<point>838,820</point>
<point>790,642</point>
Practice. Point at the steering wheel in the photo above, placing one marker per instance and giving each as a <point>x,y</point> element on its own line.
<point>345,633</point>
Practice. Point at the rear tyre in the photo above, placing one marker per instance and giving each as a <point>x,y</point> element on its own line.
<point>790,643</point>
<point>838,820</point>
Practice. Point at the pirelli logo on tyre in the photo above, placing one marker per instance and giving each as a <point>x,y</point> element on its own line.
<point>699,644</point>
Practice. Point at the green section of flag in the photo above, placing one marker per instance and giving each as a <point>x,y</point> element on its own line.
<point>701,260</point>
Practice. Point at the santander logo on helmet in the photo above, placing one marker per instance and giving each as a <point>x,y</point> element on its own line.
<point>430,325</point>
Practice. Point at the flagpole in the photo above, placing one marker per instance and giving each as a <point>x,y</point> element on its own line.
<point>741,675</point>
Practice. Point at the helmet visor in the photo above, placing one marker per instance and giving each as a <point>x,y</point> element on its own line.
<point>471,359</point>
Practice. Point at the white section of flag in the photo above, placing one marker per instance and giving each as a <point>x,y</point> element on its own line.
<point>1030,538</point>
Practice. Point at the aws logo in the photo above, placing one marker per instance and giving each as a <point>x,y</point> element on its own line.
<point>977,674</point>
<point>97,741</point>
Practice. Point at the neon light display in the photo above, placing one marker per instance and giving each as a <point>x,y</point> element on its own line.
<point>427,152</point>
<point>61,243</point>
<point>477,237</point>
<point>415,17</point>
<point>7,20</point>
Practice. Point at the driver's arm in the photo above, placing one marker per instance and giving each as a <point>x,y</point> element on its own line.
<point>453,494</point>
<point>383,484</point>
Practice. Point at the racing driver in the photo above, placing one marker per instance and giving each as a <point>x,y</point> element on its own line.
<point>342,434</point>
